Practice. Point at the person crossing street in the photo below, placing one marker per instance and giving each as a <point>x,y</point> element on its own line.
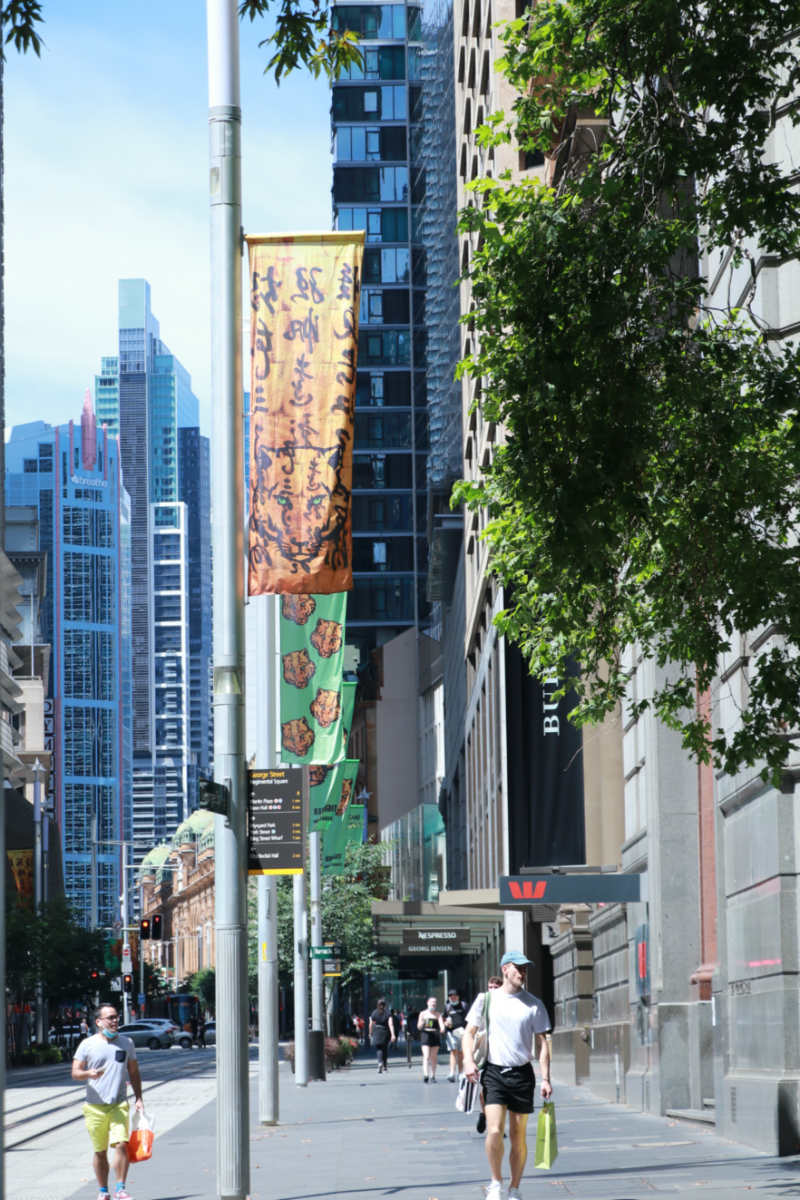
<point>105,1062</point>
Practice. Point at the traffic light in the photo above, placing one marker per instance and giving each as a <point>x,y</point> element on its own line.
<point>155,928</point>
<point>94,976</point>
<point>127,983</point>
<point>144,929</point>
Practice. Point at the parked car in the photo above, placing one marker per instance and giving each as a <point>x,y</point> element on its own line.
<point>181,1036</point>
<point>152,1036</point>
<point>210,1033</point>
<point>64,1035</point>
<point>159,1023</point>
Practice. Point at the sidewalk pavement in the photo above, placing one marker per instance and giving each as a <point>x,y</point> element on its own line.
<point>364,1136</point>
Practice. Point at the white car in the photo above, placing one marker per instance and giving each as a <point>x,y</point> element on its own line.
<point>181,1036</point>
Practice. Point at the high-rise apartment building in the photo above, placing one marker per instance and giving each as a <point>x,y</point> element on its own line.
<point>376,117</point>
<point>147,394</point>
<point>71,477</point>
<point>395,177</point>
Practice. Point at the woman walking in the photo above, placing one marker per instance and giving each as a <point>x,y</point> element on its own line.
<point>381,1031</point>
<point>431,1027</point>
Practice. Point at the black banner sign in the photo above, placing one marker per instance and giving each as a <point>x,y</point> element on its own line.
<point>569,889</point>
<point>275,841</point>
<point>545,771</point>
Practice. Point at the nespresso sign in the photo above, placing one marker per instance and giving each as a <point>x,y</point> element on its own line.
<point>569,889</point>
<point>432,941</point>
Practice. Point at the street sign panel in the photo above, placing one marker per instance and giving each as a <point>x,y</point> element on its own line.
<point>320,952</point>
<point>126,962</point>
<point>432,941</point>
<point>276,843</point>
<point>608,888</point>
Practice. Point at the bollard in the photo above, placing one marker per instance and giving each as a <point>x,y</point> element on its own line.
<point>316,1054</point>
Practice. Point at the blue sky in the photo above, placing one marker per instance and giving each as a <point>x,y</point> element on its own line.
<point>106,174</point>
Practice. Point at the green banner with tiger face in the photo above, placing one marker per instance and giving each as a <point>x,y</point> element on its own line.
<point>334,847</point>
<point>311,700</point>
<point>324,792</point>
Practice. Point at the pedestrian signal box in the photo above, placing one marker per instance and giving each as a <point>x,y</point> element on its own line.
<point>127,983</point>
<point>144,929</point>
<point>155,928</point>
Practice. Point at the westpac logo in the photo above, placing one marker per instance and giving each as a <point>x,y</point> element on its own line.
<point>526,889</point>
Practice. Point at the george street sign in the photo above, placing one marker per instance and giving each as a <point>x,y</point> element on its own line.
<point>275,824</point>
<point>607,888</point>
<point>432,941</point>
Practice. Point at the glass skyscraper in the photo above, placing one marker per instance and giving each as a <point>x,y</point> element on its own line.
<point>392,132</point>
<point>72,476</point>
<point>166,471</point>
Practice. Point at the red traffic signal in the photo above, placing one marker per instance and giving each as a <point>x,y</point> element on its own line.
<point>144,929</point>
<point>155,928</point>
<point>94,976</point>
<point>127,983</point>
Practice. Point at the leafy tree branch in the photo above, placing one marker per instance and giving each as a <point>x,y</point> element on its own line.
<point>646,490</point>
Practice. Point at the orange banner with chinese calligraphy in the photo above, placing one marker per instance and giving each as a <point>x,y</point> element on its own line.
<point>22,867</point>
<point>304,296</point>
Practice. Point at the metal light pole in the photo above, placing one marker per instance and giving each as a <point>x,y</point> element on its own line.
<point>126,1000</point>
<point>262,685</point>
<point>93,874</point>
<point>317,978</point>
<point>37,886</point>
<point>233,1110</point>
<point>300,981</point>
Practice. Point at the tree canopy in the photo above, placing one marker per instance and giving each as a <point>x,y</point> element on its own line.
<point>645,494</point>
<point>346,911</point>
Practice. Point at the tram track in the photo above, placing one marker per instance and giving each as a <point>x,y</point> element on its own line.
<point>72,1110</point>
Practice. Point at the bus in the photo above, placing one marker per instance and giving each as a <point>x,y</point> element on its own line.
<point>182,1008</point>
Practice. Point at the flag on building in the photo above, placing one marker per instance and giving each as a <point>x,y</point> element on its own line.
<point>334,847</point>
<point>348,787</point>
<point>312,655</point>
<point>349,688</point>
<point>304,299</point>
<point>354,819</point>
<point>324,792</point>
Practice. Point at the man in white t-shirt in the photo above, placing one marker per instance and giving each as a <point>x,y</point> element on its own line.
<point>518,1023</point>
<point>105,1063</point>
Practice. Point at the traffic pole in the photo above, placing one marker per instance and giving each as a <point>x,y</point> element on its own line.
<point>300,981</point>
<point>262,694</point>
<point>126,1000</point>
<point>317,980</point>
<point>225,118</point>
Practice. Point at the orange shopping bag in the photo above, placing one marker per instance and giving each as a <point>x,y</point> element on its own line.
<point>140,1143</point>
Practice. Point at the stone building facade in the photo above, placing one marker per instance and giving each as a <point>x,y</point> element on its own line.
<point>177,881</point>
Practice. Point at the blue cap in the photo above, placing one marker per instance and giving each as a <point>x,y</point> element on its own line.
<point>517,958</point>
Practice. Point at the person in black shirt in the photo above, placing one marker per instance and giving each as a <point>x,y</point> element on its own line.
<point>455,1021</point>
<point>381,1031</point>
<point>431,1027</point>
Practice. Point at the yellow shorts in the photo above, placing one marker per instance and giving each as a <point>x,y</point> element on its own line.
<point>107,1124</point>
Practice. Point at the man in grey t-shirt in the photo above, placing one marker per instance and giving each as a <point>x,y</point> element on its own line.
<point>105,1062</point>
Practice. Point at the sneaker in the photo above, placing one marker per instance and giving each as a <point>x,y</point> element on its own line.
<point>103,1194</point>
<point>481,1123</point>
<point>424,1078</point>
<point>452,1078</point>
<point>514,1194</point>
<point>122,1193</point>
<point>495,1190</point>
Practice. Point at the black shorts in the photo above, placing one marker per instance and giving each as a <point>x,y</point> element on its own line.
<point>512,1087</point>
<point>430,1037</point>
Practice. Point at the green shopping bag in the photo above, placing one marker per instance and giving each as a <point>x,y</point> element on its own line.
<point>546,1138</point>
